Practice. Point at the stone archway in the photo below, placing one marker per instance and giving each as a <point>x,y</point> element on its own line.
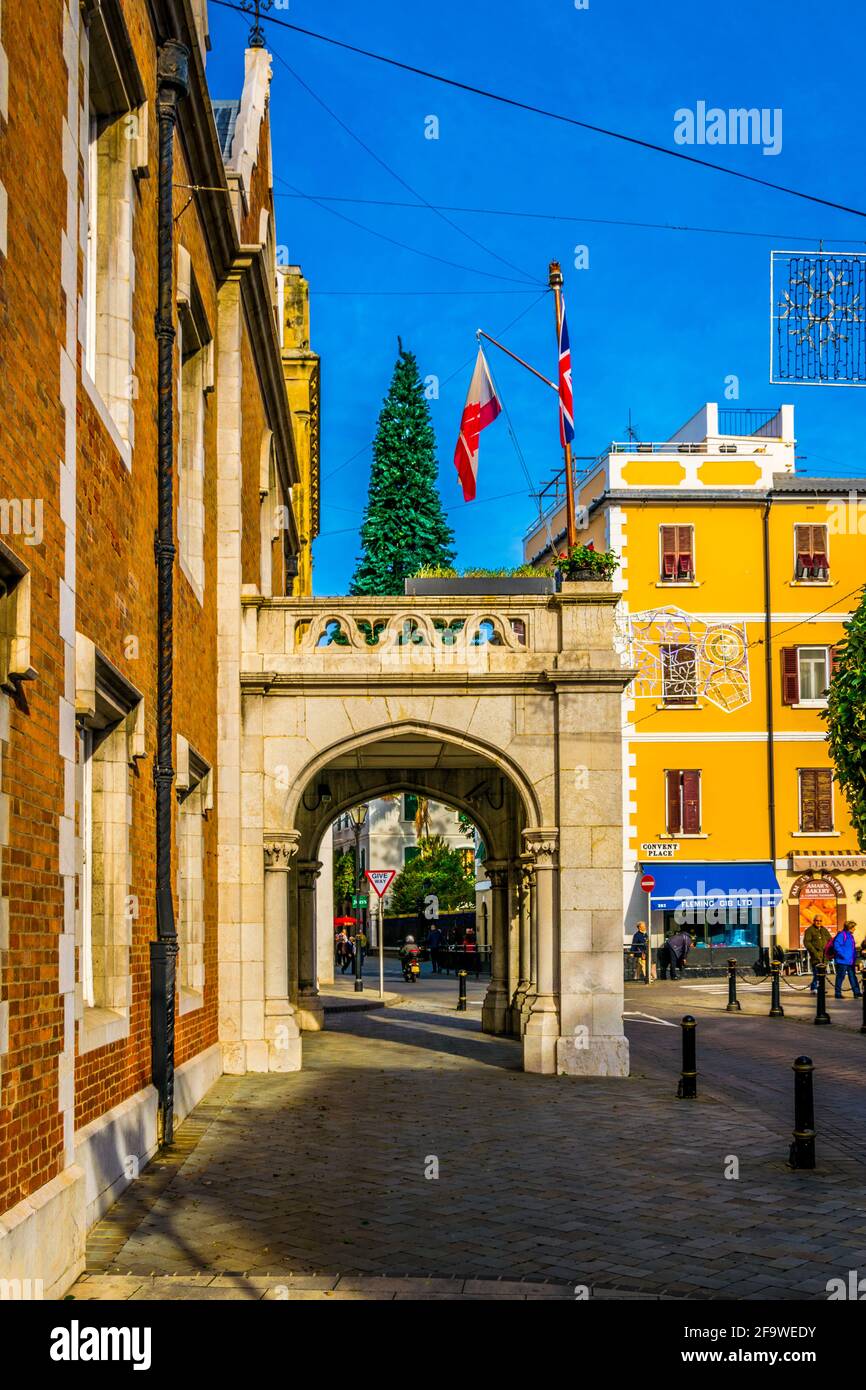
<point>509,708</point>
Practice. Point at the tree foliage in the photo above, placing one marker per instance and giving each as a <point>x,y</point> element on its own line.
<point>404,526</point>
<point>846,718</point>
<point>344,876</point>
<point>445,871</point>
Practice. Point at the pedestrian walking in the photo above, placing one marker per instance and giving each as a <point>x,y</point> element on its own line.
<point>347,953</point>
<point>816,939</point>
<point>639,950</point>
<point>361,944</point>
<point>434,945</point>
<point>679,946</point>
<point>844,954</point>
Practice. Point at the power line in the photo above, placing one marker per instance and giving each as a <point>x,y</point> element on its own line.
<point>403,246</point>
<point>422,201</point>
<point>592,221</point>
<point>552,115</point>
<point>400,294</point>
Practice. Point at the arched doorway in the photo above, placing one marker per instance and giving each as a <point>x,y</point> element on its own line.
<point>455,772</point>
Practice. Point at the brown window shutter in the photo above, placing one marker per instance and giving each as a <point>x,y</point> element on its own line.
<point>673,777</point>
<point>685,552</point>
<point>824,799</point>
<point>803,551</point>
<point>691,803</point>
<point>820,563</point>
<point>808,800</point>
<point>669,552</point>
<point>834,661</point>
<point>679,675</point>
<point>790,677</point>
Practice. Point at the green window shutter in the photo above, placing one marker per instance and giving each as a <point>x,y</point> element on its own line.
<point>410,852</point>
<point>410,807</point>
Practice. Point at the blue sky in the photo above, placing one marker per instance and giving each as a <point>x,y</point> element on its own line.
<point>659,319</point>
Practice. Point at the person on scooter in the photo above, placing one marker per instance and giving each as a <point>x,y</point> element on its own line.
<point>409,953</point>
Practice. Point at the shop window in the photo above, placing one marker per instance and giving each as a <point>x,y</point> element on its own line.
<point>676,554</point>
<point>811,551</point>
<point>806,674</point>
<point>195,379</point>
<point>816,800</point>
<point>109,717</point>
<point>683,791</point>
<point>679,675</point>
<point>194,802</point>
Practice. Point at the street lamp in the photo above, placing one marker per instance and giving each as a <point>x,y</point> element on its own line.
<point>359,816</point>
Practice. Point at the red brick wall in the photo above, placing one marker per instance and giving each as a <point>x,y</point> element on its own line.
<point>32,329</point>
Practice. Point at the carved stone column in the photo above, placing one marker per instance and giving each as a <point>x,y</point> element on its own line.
<point>311,1014</point>
<point>532,930</point>
<point>282,1034</point>
<point>495,1008</point>
<point>542,1026</point>
<point>523,877</point>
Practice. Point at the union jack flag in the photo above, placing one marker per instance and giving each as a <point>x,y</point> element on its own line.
<point>566,394</point>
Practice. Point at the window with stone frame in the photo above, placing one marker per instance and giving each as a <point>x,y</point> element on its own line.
<point>15,666</point>
<point>116,152</point>
<point>195,381</point>
<point>110,732</point>
<point>195,800</point>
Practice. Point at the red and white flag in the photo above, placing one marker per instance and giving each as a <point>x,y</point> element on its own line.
<point>481,409</point>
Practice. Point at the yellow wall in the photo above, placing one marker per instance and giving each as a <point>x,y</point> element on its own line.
<point>728,544</point>
<point>301,373</point>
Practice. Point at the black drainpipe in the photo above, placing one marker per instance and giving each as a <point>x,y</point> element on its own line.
<point>172,82</point>
<point>768,659</point>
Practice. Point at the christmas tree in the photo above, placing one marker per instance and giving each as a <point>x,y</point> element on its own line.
<point>404,527</point>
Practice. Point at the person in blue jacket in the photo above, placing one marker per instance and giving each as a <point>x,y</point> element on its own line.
<point>844,953</point>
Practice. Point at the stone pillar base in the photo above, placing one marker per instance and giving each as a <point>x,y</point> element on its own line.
<point>595,1057</point>
<point>540,1036</point>
<point>282,1036</point>
<point>516,1010</point>
<point>310,1012</point>
<point>494,1010</point>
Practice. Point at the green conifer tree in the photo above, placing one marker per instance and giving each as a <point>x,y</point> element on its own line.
<point>404,527</point>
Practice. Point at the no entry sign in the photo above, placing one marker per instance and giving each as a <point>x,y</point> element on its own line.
<point>380,879</point>
<point>647,883</point>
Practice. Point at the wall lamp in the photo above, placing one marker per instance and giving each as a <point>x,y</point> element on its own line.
<point>323,797</point>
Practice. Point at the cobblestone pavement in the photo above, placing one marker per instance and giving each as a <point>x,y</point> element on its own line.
<point>609,1184</point>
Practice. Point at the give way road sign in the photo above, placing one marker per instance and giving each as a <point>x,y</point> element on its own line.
<point>380,879</point>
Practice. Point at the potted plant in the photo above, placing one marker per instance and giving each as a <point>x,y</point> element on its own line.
<point>440,580</point>
<point>584,562</point>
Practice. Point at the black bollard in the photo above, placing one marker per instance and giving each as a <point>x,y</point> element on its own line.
<point>821,1014</point>
<point>688,1087</point>
<point>734,1005</point>
<point>461,996</point>
<point>802,1153</point>
<point>776,1010</point>
<point>863,990</point>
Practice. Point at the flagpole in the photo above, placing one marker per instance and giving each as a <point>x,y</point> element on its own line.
<point>479,333</point>
<point>555,282</point>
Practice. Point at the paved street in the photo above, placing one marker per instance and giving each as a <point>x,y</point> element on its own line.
<point>615,1185</point>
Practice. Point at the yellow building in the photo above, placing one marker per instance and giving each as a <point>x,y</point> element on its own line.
<point>737,575</point>
<point>301,370</point>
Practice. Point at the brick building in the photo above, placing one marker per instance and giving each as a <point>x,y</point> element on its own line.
<point>80,637</point>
